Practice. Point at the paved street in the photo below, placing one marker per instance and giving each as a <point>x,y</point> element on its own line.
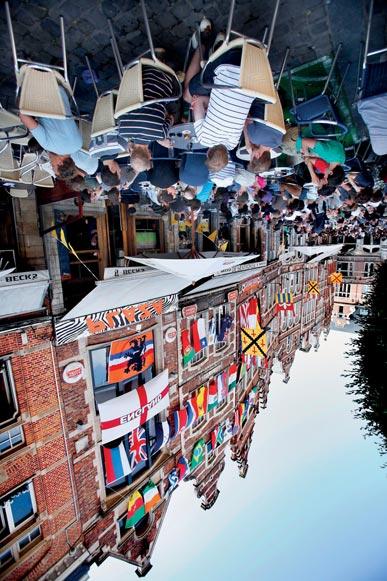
<point>310,27</point>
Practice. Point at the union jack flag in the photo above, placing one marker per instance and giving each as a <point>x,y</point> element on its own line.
<point>137,450</point>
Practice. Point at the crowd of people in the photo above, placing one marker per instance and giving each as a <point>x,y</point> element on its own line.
<point>325,193</point>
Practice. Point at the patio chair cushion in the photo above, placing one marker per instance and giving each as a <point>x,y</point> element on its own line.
<point>315,108</point>
<point>374,113</point>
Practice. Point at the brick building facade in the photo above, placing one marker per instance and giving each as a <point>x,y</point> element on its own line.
<point>61,376</point>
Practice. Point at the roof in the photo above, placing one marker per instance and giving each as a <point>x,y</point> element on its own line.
<point>224,280</point>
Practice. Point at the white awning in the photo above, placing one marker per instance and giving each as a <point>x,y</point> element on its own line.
<point>127,290</point>
<point>326,249</point>
<point>192,269</point>
<point>224,280</point>
<point>22,299</point>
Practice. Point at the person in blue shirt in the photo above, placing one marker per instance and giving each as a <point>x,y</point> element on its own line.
<point>62,140</point>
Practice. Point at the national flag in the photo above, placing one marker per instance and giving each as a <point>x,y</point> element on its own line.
<point>122,414</point>
<point>212,331</point>
<point>213,437</point>
<point>237,422</point>
<point>212,395</point>
<point>202,226</point>
<point>232,376</point>
<point>198,453</point>
<point>213,236</point>
<point>182,467</point>
<point>253,313</point>
<point>188,351</point>
<point>116,463</point>
<point>180,421</point>
<point>228,430</point>
<point>243,314</point>
<point>173,479</point>
<point>202,401</point>
<point>199,338</point>
<point>137,447</point>
<point>162,436</point>
<point>136,509</point>
<point>220,435</point>
<point>242,412</point>
<point>192,410</point>
<point>241,370</point>
<point>150,495</point>
<point>284,302</point>
<point>222,387</point>
<point>129,357</point>
<point>209,447</point>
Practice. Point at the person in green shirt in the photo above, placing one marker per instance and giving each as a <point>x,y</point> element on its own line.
<point>325,157</point>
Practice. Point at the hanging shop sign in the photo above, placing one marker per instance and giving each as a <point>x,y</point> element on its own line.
<point>73,372</point>
<point>170,334</point>
<point>232,296</point>
<point>189,311</point>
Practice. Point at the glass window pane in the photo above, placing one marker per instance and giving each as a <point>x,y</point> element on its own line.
<point>7,403</point>
<point>21,505</point>
<point>35,533</point>
<point>16,436</point>
<point>99,365</point>
<point>5,557</point>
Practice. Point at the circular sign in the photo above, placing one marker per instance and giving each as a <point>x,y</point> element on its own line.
<point>170,334</point>
<point>73,372</point>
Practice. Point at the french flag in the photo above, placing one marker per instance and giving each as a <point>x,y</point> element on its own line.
<point>116,463</point>
<point>199,338</point>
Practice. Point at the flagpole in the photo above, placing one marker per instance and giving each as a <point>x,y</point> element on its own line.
<point>76,256</point>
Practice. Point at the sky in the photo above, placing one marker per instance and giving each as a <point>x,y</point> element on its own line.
<point>313,506</point>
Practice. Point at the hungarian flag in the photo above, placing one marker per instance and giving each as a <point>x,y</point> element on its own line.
<point>192,411</point>
<point>198,453</point>
<point>186,347</point>
<point>232,376</point>
<point>162,436</point>
<point>137,447</point>
<point>116,463</point>
<point>202,401</point>
<point>180,421</point>
<point>129,357</point>
<point>136,509</point>
<point>182,467</point>
<point>212,395</point>
<point>151,496</point>
<point>199,338</point>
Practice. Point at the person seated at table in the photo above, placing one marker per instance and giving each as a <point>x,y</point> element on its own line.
<point>259,137</point>
<point>219,115</point>
<point>324,157</point>
<point>62,140</point>
<point>150,122</point>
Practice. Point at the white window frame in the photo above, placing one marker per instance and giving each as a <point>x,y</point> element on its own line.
<point>11,387</point>
<point>12,446</point>
<point>17,551</point>
<point>6,512</point>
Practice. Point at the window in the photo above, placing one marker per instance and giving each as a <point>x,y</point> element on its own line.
<point>344,290</point>
<point>11,439</point>
<point>220,326</point>
<point>17,508</point>
<point>369,268</point>
<point>12,554</point>
<point>346,268</point>
<point>198,423</point>
<point>8,404</point>
<point>103,390</point>
<point>150,433</point>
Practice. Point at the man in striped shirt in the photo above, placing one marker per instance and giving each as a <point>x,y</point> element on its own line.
<point>151,122</point>
<point>226,113</point>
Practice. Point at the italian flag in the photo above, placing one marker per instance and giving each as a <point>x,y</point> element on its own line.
<point>212,395</point>
<point>232,377</point>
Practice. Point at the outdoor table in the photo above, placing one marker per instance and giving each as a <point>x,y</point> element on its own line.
<point>183,137</point>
